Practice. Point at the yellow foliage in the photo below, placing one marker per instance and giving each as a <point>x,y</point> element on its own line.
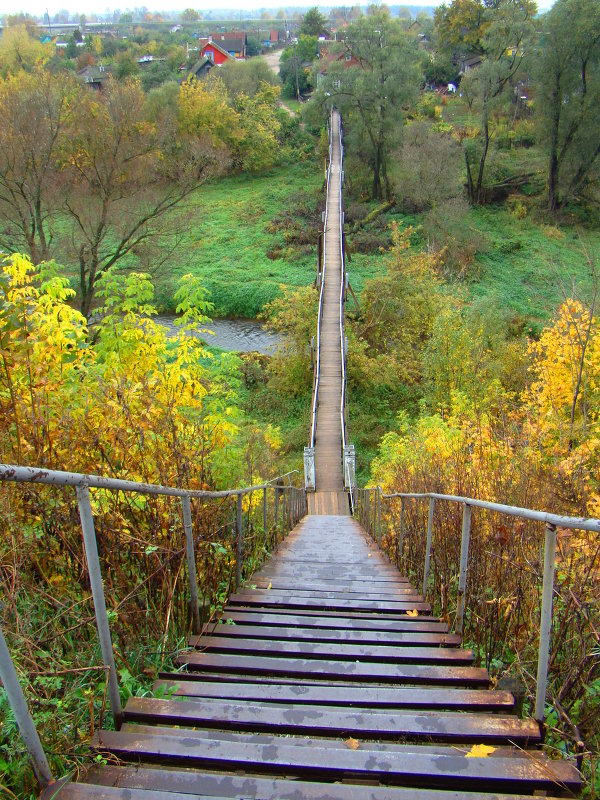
<point>135,403</point>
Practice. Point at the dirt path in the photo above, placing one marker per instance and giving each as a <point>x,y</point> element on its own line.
<point>272,59</point>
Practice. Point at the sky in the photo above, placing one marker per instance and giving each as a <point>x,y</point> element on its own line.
<point>38,7</point>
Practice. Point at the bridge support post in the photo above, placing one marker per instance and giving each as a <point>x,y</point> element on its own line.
<point>191,563</point>
<point>379,514</point>
<point>265,513</point>
<point>239,548</point>
<point>276,515</point>
<point>16,700</point>
<point>401,540</point>
<point>464,560</point>
<point>428,544</point>
<point>93,562</point>
<point>545,622</point>
<point>309,468</point>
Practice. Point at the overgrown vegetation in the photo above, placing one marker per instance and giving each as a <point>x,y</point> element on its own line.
<point>122,400</point>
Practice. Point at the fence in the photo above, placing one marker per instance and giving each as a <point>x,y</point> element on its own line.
<point>408,547</point>
<point>244,523</point>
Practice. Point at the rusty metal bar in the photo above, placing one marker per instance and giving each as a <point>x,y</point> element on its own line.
<point>575,523</point>
<point>17,474</point>
<point>379,514</point>
<point>545,622</point>
<point>401,541</point>
<point>191,563</point>
<point>464,560</point>
<point>265,513</point>
<point>93,562</point>
<point>25,723</point>
<point>239,538</point>
<point>428,544</point>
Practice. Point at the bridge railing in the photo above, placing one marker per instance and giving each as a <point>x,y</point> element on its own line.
<point>392,535</point>
<point>248,520</point>
<point>309,461</point>
<point>347,454</point>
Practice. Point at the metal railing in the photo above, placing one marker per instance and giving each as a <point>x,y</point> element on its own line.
<point>368,503</point>
<point>289,507</point>
<point>315,403</point>
<point>348,477</point>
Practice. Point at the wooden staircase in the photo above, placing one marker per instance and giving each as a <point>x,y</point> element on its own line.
<point>325,677</point>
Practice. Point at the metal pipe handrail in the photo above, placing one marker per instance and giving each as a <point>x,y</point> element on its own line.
<point>82,483</point>
<point>557,520</point>
<point>18,474</point>
<point>313,426</point>
<point>551,521</point>
<point>347,481</point>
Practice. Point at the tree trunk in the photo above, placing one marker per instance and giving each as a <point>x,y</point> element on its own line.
<point>486,144</point>
<point>553,160</point>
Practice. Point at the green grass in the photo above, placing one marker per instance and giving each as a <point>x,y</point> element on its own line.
<point>529,266</point>
<point>228,241</point>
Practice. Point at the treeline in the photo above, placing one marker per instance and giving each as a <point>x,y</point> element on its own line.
<point>99,179</point>
<point>525,81</point>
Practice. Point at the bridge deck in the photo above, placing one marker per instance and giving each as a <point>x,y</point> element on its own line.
<point>329,497</point>
<point>326,677</point>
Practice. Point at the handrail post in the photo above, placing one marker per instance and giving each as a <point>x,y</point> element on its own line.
<point>276,515</point>
<point>26,725</point>
<point>93,562</point>
<point>265,513</point>
<point>191,563</point>
<point>428,545</point>
<point>367,511</point>
<point>379,514</point>
<point>545,622</point>
<point>239,548</point>
<point>464,560</point>
<point>401,541</point>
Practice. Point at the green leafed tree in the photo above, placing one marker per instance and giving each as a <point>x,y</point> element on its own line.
<point>508,26</point>
<point>372,89</point>
<point>313,23</point>
<point>569,96</point>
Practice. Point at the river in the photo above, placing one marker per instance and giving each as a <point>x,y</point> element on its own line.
<point>239,335</point>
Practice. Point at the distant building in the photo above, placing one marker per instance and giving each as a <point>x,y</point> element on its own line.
<point>216,53</point>
<point>94,76</point>
<point>232,41</point>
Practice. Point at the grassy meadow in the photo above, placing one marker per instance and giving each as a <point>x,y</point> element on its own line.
<point>229,238</point>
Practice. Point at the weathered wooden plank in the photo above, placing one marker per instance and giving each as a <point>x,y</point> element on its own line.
<point>348,635</point>
<point>286,601</point>
<point>339,651</point>
<point>455,771</point>
<point>371,697</point>
<point>245,786</point>
<point>343,670</point>
<point>336,722</point>
<point>335,621</point>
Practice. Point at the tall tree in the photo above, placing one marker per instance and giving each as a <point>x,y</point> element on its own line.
<point>126,174</point>
<point>313,23</point>
<point>35,110</point>
<point>372,88</point>
<point>509,25</point>
<point>569,92</point>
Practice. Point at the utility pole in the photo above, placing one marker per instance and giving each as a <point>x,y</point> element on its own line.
<point>296,65</point>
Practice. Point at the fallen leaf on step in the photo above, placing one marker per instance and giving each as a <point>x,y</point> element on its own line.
<point>413,613</point>
<point>352,744</point>
<point>369,555</point>
<point>480,751</point>
<point>270,585</point>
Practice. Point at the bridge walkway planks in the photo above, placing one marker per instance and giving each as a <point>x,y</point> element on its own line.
<point>329,497</point>
<point>319,680</point>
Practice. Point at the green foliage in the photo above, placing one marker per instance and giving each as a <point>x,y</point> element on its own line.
<point>294,66</point>
<point>313,22</point>
<point>569,88</point>
<point>373,93</point>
